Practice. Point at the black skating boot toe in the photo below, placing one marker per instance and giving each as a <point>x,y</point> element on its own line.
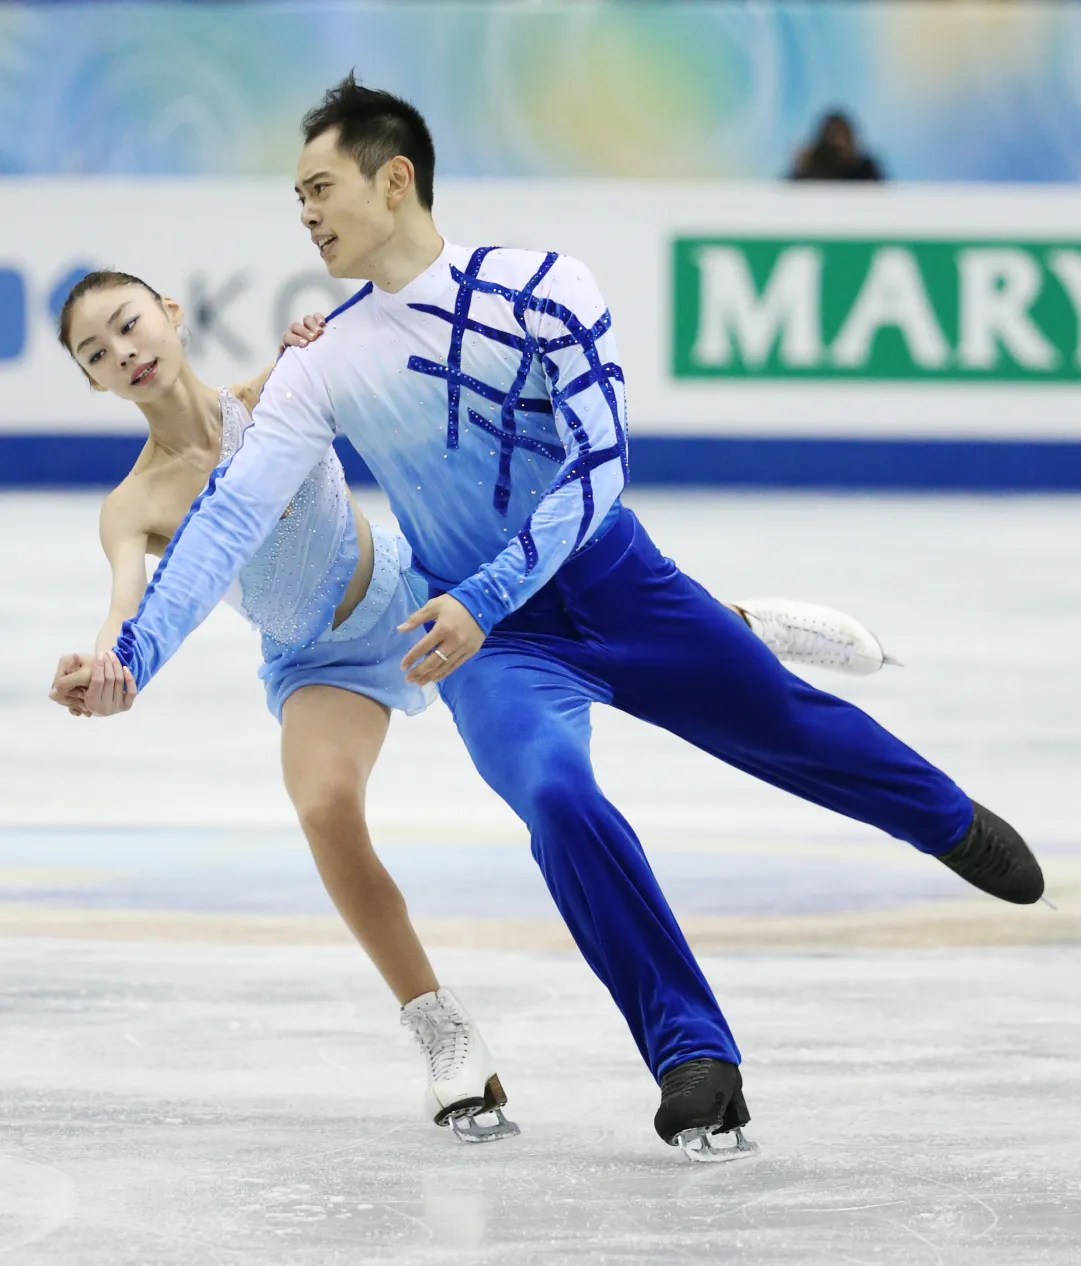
<point>994,858</point>
<point>700,1100</point>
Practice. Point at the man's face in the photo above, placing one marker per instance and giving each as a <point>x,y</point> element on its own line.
<point>346,213</point>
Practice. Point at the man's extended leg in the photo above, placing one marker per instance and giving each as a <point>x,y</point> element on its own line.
<point>681,660</point>
<point>524,717</point>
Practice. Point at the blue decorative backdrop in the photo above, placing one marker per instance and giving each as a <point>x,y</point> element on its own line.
<point>960,91</point>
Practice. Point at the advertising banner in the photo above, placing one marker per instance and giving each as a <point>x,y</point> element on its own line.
<point>864,309</point>
<point>739,309</point>
<point>770,334</point>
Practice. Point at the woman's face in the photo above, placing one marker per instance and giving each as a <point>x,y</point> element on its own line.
<point>127,341</point>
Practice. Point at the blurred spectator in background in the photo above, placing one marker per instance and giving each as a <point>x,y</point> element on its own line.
<point>835,153</point>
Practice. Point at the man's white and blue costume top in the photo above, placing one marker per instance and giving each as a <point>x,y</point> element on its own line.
<point>487,399</point>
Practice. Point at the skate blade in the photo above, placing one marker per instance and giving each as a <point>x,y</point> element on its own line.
<point>697,1145</point>
<point>463,1117</point>
<point>469,1129</point>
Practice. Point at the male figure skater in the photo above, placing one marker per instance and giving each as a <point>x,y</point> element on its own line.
<point>483,388</point>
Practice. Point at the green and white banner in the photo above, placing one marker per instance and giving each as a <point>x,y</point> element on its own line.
<point>930,310</point>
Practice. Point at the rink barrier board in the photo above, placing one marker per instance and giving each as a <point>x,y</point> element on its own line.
<point>919,925</point>
<point>43,460</point>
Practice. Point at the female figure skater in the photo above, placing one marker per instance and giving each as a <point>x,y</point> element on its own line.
<point>327,591</point>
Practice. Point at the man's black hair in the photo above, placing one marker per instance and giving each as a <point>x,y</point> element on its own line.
<point>375,127</point>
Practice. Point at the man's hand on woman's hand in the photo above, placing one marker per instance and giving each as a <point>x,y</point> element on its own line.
<point>93,685</point>
<point>112,687</point>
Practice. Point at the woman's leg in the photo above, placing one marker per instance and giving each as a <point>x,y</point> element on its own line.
<point>331,739</point>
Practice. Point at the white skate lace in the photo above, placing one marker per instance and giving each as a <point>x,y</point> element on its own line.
<point>810,642</point>
<point>443,1037</point>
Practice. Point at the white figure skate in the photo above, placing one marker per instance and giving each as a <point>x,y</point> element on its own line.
<point>462,1082</point>
<point>803,633</point>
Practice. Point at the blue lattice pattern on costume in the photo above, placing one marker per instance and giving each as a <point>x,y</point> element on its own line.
<point>511,402</point>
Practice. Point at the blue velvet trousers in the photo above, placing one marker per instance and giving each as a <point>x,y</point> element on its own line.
<point>621,624</point>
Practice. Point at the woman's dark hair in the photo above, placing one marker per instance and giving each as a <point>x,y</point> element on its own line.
<point>103,279</point>
<point>374,127</point>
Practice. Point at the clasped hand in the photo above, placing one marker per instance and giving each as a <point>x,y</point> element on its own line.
<point>93,685</point>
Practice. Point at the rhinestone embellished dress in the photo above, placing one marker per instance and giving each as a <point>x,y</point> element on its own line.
<point>298,576</point>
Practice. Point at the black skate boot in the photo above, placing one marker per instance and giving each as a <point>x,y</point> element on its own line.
<point>701,1100</point>
<point>994,858</point>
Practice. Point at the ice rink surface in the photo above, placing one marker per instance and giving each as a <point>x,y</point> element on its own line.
<point>198,1066</point>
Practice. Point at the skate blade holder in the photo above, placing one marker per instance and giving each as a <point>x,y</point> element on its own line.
<point>469,1128</point>
<point>698,1145</point>
<point>463,1117</point>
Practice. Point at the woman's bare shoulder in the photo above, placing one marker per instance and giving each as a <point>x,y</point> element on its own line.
<point>127,507</point>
